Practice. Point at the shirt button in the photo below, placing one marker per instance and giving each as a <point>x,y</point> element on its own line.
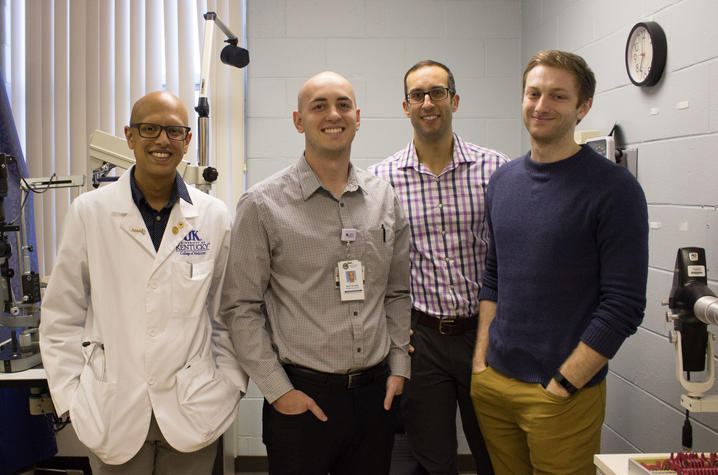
<point>443,232</point>
<point>356,313</point>
<point>341,204</point>
<point>447,259</point>
<point>441,205</point>
<point>151,381</point>
<point>158,218</point>
<point>358,350</point>
<point>152,332</point>
<point>153,284</point>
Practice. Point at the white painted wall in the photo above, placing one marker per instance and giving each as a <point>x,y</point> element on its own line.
<point>373,43</point>
<point>487,43</point>
<point>678,170</point>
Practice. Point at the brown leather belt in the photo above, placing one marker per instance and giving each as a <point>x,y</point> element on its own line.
<point>446,325</point>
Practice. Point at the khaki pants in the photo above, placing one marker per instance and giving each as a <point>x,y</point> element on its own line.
<point>157,457</point>
<point>531,431</point>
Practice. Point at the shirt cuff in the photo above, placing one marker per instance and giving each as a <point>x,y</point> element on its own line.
<point>399,363</point>
<point>275,385</point>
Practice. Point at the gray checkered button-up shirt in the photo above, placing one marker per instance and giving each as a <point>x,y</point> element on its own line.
<point>280,296</point>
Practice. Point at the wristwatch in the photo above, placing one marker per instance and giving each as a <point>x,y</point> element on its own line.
<point>560,379</point>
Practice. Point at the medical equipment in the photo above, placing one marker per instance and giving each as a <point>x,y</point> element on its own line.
<point>610,146</point>
<point>693,306</point>
<point>107,151</point>
<point>21,315</point>
<point>232,55</point>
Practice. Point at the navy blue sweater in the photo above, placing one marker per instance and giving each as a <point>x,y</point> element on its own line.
<point>567,262</point>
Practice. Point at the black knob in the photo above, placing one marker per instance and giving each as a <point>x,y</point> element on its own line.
<point>210,174</point>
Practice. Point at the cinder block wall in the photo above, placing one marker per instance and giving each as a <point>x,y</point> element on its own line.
<point>487,43</point>
<point>678,170</point>
<point>373,43</point>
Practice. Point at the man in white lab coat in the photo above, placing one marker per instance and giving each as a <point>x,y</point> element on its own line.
<point>128,335</point>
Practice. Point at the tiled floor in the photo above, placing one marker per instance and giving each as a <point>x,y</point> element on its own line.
<point>402,463</point>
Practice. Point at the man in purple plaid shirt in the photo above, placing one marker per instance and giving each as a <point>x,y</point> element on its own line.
<point>441,180</point>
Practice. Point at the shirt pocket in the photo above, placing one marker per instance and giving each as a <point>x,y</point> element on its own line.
<point>378,247</point>
<point>190,286</point>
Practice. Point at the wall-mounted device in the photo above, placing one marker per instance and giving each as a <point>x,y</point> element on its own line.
<point>610,147</point>
<point>233,55</point>
<point>606,146</point>
<point>693,306</point>
<point>108,151</point>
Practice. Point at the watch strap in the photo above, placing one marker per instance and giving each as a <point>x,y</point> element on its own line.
<point>565,383</point>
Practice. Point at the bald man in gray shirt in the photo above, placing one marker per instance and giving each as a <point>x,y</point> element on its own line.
<point>317,297</point>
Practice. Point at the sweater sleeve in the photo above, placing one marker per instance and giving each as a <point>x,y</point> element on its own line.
<point>489,281</point>
<point>622,240</point>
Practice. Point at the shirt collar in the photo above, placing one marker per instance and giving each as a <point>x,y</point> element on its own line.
<point>179,190</point>
<point>309,182</point>
<point>411,160</point>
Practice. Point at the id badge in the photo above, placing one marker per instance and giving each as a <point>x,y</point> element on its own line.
<point>351,280</point>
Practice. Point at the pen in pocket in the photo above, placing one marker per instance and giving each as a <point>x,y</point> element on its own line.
<point>97,367</point>
<point>98,343</point>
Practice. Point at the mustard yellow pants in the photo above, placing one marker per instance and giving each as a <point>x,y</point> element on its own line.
<point>531,431</point>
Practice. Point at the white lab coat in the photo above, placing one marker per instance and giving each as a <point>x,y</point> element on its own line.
<point>126,330</point>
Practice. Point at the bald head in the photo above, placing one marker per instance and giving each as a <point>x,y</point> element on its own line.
<point>323,79</point>
<point>328,117</point>
<point>155,101</point>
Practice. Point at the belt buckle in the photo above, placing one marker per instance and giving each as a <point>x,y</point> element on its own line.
<point>354,380</point>
<point>449,322</point>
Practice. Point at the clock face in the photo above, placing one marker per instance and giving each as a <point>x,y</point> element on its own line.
<point>646,53</point>
<point>639,54</point>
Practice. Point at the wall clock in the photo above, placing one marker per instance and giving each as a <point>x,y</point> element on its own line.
<point>646,52</point>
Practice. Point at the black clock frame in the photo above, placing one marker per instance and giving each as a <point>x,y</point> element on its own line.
<point>660,51</point>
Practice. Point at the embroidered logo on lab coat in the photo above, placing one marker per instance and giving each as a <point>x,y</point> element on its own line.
<point>193,245</point>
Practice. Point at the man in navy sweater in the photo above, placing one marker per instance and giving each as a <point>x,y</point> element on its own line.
<point>564,286</point>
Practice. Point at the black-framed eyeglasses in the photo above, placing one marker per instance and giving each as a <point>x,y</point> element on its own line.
<point>148,130</point>
<point>435,93</point>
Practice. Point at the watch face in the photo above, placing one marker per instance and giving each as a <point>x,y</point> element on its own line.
<point>639,54</point>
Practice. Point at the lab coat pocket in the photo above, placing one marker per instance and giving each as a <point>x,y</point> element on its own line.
<point>190,284</point>
<point>91,410</point>
<point>205,397</point>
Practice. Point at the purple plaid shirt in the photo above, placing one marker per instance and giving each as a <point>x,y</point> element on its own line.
<point>448,226</point>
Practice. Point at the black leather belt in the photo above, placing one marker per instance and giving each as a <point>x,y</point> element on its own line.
<point>446,325</point>
<point>355,379</point>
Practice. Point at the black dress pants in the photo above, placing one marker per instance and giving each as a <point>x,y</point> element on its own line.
<point>441,379</point>
<point>356,439</point>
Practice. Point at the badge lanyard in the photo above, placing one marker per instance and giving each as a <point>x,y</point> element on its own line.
<point>349,272</point>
